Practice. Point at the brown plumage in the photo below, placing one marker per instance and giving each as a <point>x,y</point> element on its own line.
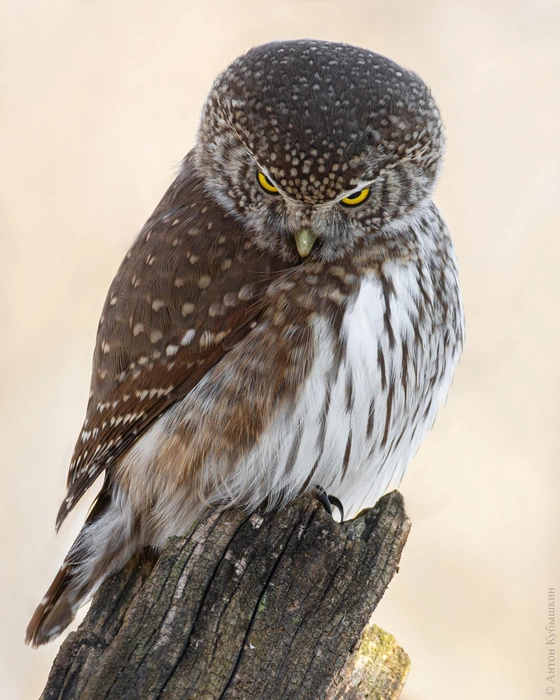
<point>265,336</point>
<point>196,277</point>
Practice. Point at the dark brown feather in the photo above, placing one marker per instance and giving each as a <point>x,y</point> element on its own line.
<point>190,269</point>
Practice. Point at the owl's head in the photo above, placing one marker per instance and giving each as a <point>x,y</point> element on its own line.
<point>319,147</point>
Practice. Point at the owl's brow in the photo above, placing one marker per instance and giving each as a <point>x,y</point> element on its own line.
<point>264,169</point>
<point>319,205</point>
<point>357,188</point>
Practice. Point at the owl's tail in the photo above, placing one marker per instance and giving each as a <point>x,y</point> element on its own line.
<point>56,611</point>
<point>102,547</point>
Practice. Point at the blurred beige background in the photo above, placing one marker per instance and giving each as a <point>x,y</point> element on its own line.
<point>99,101</point>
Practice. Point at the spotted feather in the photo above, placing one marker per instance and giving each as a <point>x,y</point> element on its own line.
<point>164,326</point>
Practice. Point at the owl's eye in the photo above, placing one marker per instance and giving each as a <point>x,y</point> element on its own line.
<point>266,183</point>
<point>356,198</point>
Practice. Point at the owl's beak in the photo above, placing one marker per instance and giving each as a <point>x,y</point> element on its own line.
<point>304,241</point>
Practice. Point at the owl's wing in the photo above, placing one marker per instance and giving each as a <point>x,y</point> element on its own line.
<point>189,289</point>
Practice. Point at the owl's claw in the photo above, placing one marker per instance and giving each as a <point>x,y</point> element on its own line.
<point>324,499</point>
<point>328,501</point>
<point>334,501</point>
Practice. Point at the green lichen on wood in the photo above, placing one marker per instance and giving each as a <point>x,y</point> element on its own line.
<point>380,666</point>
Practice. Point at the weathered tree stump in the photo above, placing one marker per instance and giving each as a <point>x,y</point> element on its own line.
<point>262,606</point>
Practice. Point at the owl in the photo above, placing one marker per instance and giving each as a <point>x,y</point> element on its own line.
<point>288,318</point>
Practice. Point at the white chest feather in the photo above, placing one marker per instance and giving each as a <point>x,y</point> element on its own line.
<point>361,415</point>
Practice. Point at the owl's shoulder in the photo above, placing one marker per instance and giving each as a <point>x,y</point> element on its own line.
<point>187,291</point>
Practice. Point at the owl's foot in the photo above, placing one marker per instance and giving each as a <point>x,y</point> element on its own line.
<point>328,501</point>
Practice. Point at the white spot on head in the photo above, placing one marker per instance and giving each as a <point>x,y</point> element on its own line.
<point>204,281</point>
<point>155,336</point>
<point>171,349</point>
<point>113,301</point>
<point>105,347</point>
<point>138,328</point>
<point>157,304</point>
<point>187,308</point>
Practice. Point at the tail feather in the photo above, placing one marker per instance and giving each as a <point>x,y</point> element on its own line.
<point>56,611</point>
<point>104,544</point>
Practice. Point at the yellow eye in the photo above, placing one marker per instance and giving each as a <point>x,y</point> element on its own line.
<point>266,184</point>
<point>356,198</point>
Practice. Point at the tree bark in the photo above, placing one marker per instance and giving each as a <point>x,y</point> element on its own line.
<point>271,606</point>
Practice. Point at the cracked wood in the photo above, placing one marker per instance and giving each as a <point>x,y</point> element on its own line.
<point>246,606</point>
